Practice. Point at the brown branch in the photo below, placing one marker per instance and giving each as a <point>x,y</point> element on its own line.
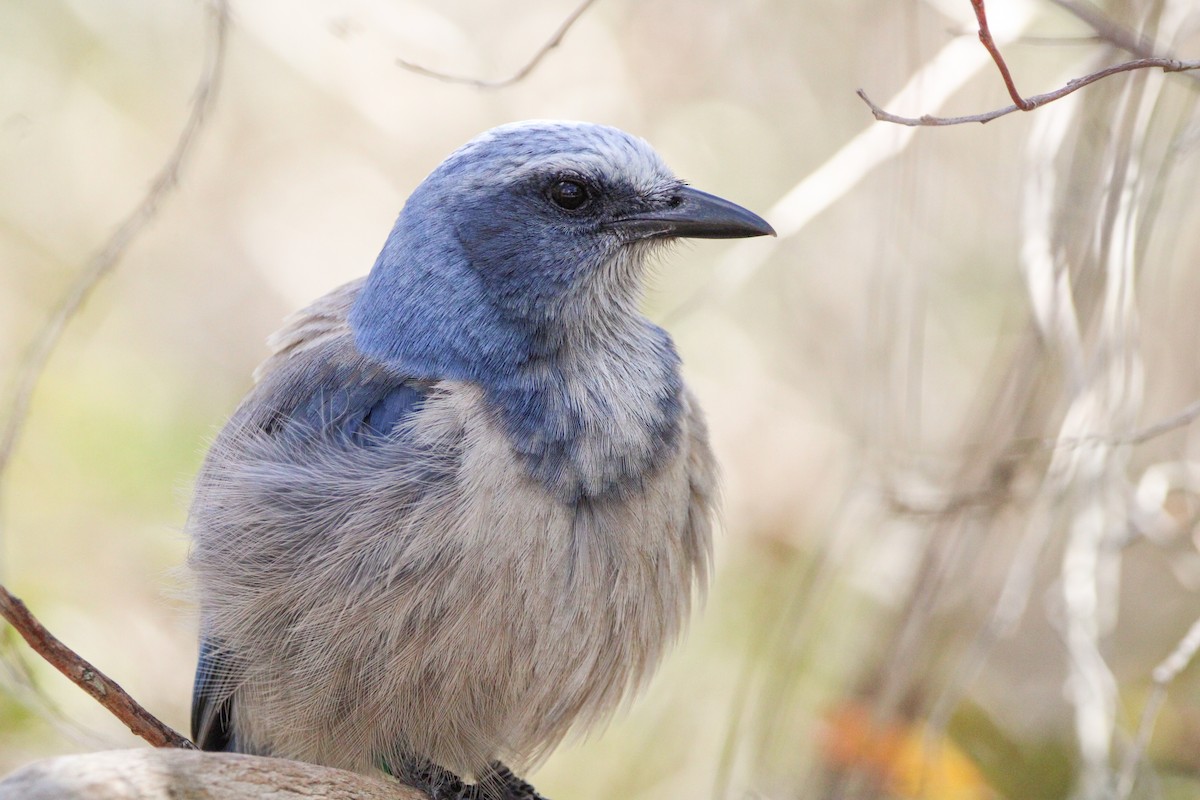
<point>85,676</point>
<point>551,43</point>
<point>107,257</point>
<point>1037,100</point>
<point>985,36</point>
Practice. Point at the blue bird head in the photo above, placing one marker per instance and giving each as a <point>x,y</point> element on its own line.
<point>528,235</point>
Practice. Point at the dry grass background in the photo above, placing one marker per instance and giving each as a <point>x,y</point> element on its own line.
<point>956,546</point>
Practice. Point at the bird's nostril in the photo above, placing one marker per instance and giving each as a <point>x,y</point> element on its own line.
<point>675,201</point>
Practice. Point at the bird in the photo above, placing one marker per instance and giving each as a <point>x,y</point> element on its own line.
<point>467,505</point>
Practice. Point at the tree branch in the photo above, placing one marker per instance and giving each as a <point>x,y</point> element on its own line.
<point>554,41</point>
<point>1037,100</point>
<point>105,690</point>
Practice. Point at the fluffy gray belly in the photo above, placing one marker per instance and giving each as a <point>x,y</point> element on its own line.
<point>444,605</point>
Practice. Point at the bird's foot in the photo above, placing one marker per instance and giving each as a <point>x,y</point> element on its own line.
<point>511,787</point>
<point>499,783</point>
<point>438,783</point>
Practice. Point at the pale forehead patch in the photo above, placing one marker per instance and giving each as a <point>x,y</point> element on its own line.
<point>511,151</point>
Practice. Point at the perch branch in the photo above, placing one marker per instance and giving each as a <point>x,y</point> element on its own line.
<point>87,677</point>
<point>192,775</point>
<point>1037,100</point>
<point>554,41</point>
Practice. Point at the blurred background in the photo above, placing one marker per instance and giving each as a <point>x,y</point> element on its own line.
<point>952,402</point>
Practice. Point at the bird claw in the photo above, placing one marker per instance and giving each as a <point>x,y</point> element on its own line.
<point>514,787</point>
<point>440,784</point>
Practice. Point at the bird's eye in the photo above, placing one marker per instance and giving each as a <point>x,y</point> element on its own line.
<point>569,194</point>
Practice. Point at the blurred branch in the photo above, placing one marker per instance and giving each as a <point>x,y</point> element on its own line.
<point>1108,29</point>
<point>554,41</point>
<point>85,676</point>
<point>1164,674</point>
<point>1037,100</point>
<point>107,257</point>
<point>1185,417</point>
<point>1180,419</point>
<point>985,36</point>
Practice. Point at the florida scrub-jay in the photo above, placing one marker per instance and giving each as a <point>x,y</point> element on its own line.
<point>468,502</point>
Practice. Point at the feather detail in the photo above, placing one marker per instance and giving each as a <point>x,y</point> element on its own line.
<point>312,326</point>
<point>429,594</point>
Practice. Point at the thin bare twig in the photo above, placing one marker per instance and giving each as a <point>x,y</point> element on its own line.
<point>1180,420</point>
<point>85,676</point>
<point>1164,675</point>
<point>985,36</point>
<point>107,257</point>
<point>551,43</point>
<point>1037,100</point>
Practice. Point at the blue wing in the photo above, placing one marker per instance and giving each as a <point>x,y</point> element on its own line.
<point>339,404</point>
<point>379,410</point>
<point>350,408</point>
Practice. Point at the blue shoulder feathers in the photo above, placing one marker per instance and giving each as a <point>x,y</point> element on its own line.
<point>343,402</point>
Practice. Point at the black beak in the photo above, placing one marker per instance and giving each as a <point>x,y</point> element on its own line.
<point>697,215</point>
